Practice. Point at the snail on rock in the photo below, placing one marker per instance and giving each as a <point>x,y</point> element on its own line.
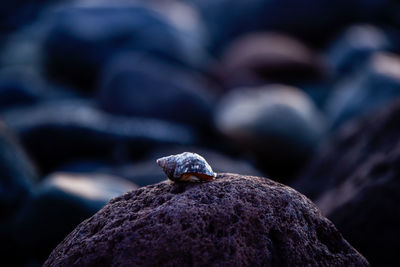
<point>186,167</point>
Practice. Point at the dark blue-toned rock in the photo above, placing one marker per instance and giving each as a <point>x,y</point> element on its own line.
<point>146,172</point>
<point>21,51</point>
<point>318,91</point>
<point>60,202</point>
<point>57,132</point>
<point>17,174</point>
<point>20,90</point>
<point>82,39</point>
<point>311,19</point>
<point>278,124</point>
<point>374,210</point>
<point>138,85</point>
<point>17,13</point>
<point>187,19</point>
<point>372,88</point>
<point>16,90</point>
<point>353,48</point>
<point>354,179</point>
<point>84,166</point>
<point>255,58</point>
<point>141,172</point>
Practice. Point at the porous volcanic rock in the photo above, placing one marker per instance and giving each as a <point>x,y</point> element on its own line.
<point>355,181</point>
<point>374,210</point>
<point>232,221</point>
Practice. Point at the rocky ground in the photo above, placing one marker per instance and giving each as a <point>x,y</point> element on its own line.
<point>302,92</point>
<point>362,194</point>
<point>235,220</point>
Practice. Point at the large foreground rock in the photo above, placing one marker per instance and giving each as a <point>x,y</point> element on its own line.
<point>233,221</point>
<point>355,181</point>
<point>374,210</point>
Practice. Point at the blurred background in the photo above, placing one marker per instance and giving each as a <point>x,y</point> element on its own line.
<point>303,92</point>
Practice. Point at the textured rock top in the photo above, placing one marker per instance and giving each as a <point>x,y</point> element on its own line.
<point>233,221</point>
<point>355,181</point>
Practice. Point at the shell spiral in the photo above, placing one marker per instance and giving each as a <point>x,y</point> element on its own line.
<point>177,167</point>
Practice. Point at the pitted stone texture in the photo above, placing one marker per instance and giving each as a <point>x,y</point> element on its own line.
<point>233,221</point>
<point>355,181</point>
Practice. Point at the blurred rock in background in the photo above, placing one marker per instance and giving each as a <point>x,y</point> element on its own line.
<point>353,48</point>
<point>279,125</point>
<point>137,85</point>
<point>376,85</point>
<point>146,172</point>
<point>258,58</point>
<point>81,40</point>
<point>60,132</point>
<point>17,174</point>
<point>58,204</point>
<point>310,19</point>
<point>18,90</point>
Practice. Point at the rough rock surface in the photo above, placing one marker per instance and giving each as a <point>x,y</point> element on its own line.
<point>355,182</point>
<point>232,221</point>
<point>374,210</point>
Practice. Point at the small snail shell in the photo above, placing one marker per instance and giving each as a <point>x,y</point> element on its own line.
<point>186,167</point>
